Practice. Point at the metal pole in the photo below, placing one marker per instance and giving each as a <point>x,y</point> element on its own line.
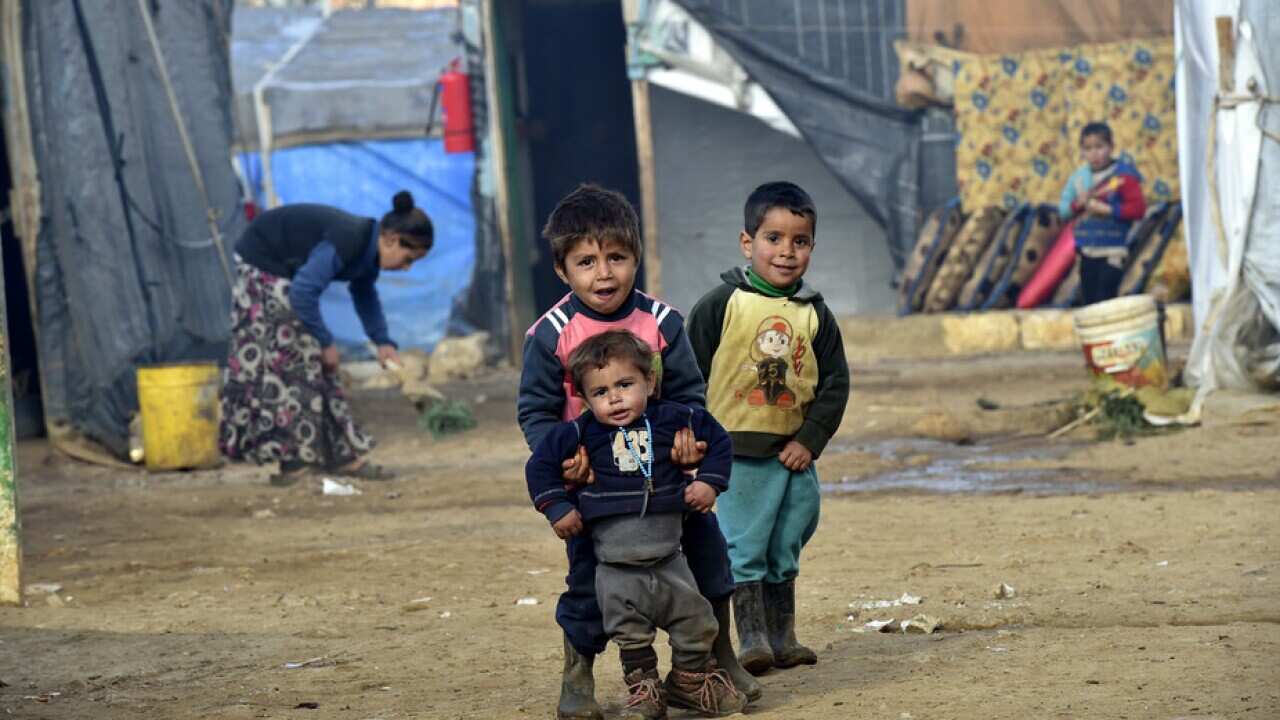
<point>10,527</point>
<point>262,112</point>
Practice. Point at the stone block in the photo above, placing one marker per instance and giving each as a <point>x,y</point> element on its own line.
<point>980,333</point>
<point>1048,330</point>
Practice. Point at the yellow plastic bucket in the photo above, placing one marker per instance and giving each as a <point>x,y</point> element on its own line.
<point>179,407</point>
<point>1121,340</point>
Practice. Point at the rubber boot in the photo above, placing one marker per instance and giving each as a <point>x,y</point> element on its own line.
<point>727,659</point>
<point>780,614</point>
<point>754,652</point>
<point>578,687</point>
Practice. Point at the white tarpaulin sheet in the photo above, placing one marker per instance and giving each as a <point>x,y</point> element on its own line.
<point>701,68</point>
<point>1230,172</point>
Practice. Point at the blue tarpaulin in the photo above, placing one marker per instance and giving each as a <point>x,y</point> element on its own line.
<point>360,177</point>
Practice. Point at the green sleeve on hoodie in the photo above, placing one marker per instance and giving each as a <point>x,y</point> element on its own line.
<point>705,324</point>
<point>832,394</point>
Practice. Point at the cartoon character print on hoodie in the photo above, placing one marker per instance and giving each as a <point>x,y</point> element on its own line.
<point>775,366</point>
<point>772,355</point>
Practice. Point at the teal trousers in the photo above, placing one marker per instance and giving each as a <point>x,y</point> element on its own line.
<point>767,515</point>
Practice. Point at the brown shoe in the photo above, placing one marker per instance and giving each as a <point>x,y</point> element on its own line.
<point>645,697</point>
<point>709,693</point>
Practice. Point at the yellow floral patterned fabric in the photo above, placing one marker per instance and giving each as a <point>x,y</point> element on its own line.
<point>1019,118</point>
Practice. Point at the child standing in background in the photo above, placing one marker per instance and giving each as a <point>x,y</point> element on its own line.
<point>1106,194</point>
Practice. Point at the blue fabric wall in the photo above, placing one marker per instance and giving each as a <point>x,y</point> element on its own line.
<point>361,177</point>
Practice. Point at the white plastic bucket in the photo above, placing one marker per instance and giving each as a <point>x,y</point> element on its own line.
<point>1121,340</point>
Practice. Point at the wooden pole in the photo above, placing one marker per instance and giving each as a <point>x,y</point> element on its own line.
<point>24,202</point>
<point>631,12</point>
<point>10,527</point>
<point>24,198</point>
<point>24,195</point>
<point>515,263</point>
<point>1226,55</point>
<point>648,187</point>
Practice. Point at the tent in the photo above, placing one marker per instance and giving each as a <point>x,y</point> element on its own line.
<point>830,67</point>
<point>1227,114</point>
<point>705,108</point>
<point>118,134</point>
<point>335,109</point>
<point>818,101</point>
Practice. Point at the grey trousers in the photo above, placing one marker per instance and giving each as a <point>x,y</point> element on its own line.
<point>637,601</point>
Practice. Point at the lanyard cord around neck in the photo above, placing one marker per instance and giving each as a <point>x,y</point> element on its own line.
<point>646,467</point>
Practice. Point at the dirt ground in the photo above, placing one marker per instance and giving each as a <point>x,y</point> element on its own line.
<point>1146,573</point>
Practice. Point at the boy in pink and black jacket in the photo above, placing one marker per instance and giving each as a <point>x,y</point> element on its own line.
<point>595,236</point>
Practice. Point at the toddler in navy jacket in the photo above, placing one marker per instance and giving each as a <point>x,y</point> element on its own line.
<point>634,512</point>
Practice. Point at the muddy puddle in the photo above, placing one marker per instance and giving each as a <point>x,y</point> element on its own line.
<point>937,467</point>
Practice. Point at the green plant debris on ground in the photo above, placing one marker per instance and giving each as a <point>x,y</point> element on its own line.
<point>1121,409</point>
<point>1121,417</point>
<point>447,417</point>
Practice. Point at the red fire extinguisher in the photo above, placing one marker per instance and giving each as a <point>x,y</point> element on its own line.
<point>455,92</point>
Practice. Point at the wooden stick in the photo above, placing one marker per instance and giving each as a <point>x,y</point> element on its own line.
<point>1226,55</point>
<point>1075,423</point>
<point>1086,417</point>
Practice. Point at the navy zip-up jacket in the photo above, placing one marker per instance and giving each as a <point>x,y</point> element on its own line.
<point>619,488</point>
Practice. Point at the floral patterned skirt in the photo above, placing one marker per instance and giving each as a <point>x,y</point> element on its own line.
<point>278,403</point>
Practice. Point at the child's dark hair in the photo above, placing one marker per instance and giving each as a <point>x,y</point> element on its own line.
<point>410,223</point>
<point>777,195</point>
<point>593,212</point>
<point>1097,129</point>
<point>599,350</point>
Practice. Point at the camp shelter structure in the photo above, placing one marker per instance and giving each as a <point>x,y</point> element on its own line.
<point>341,109</point>
<point>810,99</point>
<point>122,197</point>
<point>1228,93</point>
<point>717,131</point>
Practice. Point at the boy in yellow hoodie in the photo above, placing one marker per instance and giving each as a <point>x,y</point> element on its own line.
<point>778,380</point>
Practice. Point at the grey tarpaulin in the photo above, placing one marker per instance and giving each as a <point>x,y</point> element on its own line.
<point>260,38</point>
<point>125,272</point>
<point>830,66</point>
<point>355,74</point>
